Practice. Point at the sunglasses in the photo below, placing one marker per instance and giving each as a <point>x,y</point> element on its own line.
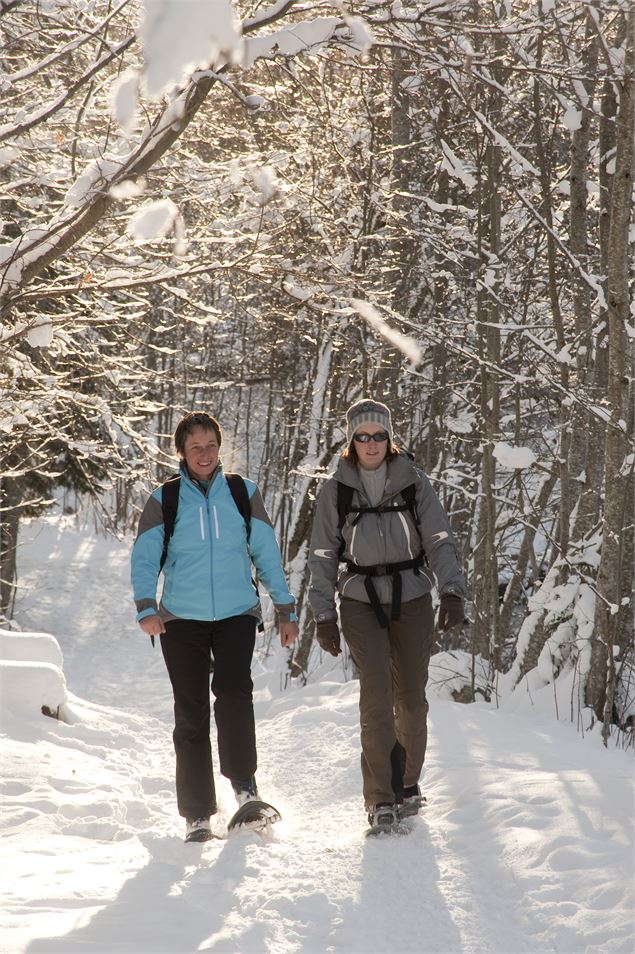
<point>362,438</point>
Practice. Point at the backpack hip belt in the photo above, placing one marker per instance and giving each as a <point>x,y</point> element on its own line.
<point>387,569</point>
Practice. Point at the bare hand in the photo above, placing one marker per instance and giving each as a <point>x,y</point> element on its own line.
<point>289,632</point>
<point>152,625</point>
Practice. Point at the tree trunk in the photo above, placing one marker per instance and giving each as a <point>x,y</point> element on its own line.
<point>610,614</point>
<point>587,434</point>
<point>10,494</point>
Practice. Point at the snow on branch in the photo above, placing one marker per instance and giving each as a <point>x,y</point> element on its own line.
<point>46,112</point>
<point>156,220</point>
<point>68,48</point>
<point>513,458</point>
<point>408,346</point>
<point>521,164</point>
<point>176,36</point>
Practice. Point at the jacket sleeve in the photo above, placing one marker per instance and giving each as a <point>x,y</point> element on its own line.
<point>324,551</point>
<point>437,538</point>
<point>265,555</point>
<point>146,557</point>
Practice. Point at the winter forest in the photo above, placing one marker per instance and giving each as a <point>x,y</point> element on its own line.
<point>270,210</point>
<point>427,203</point>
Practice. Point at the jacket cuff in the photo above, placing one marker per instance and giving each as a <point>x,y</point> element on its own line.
<point>146,608</point>
<point>453,590</point>
<point>285,613</point>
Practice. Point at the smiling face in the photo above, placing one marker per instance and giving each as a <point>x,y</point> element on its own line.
<point>200,453</point>
<point>372,453</point>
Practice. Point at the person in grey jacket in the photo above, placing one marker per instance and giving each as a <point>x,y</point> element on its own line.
<point>380,517</point>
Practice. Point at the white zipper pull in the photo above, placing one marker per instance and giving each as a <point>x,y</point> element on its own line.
<point>216,523</point>
<point>202,522</point>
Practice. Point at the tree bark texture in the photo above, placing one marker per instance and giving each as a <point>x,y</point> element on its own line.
<point>610,614</point>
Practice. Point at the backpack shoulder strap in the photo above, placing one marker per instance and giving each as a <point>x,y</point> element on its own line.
<point>409,495</point>
<point>344,500</point>
<point>169,506</point>
<point>239,492</point>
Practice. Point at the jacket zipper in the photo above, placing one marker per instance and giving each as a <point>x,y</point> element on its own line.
<point>211,558</point>
<point>216,523</point>
<point>202,522</point>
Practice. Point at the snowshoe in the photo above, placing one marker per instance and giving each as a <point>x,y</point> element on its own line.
<point>254,815</point>
<point>383,820</point>
<point>409,802</point>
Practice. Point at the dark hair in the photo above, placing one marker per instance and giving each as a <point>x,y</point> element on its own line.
<point>192,420</point>
<point>350,453</point>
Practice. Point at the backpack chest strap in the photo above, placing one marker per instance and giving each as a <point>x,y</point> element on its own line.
<point>381,508</point>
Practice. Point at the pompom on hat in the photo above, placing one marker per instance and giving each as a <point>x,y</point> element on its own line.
<point>367,411</point>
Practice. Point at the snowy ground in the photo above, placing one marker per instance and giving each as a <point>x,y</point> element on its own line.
<point>526,844</point>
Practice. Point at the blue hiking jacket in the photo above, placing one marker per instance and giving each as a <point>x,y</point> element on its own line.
<point>207,573</point>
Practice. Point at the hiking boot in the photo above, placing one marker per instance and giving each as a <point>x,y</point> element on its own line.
<point>245,791</point>
<point>198,829</point>
<point>410,801</point>
<point>382,816</point>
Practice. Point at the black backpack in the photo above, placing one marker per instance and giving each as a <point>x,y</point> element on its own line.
<point>344,507</point>
<point>170,504</point>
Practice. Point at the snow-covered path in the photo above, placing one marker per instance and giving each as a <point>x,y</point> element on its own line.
<point>526,843</point>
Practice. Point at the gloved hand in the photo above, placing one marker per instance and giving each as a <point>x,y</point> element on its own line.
<point>327,634</point>
<point>451,611</point>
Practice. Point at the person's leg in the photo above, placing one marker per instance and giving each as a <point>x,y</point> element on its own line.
<point>233,642</point>
<point>370,651</point>
<point>411,639</point>
<point>186,651</point>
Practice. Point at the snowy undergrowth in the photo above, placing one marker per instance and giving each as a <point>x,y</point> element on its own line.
<point>525,845</point>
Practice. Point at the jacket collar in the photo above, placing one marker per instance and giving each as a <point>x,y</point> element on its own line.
<point>217,474</point>
<point>400,473</point>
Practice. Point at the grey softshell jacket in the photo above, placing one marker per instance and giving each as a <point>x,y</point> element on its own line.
<point>380,538</point>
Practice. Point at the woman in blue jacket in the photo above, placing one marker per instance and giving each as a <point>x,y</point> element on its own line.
<point>209,608</point>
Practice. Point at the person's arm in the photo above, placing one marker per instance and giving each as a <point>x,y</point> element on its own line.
<point>324,550</point>
<point>438,541</point>
<point>145,565</point>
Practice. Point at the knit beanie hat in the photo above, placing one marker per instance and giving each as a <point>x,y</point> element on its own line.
<point>367,411</point>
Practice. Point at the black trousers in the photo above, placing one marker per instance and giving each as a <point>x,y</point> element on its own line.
<point>186,647</point>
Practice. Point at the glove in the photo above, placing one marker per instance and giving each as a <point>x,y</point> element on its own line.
<point>327,634</point>
<point>451,611</point>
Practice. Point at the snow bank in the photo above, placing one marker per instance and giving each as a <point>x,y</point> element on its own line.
<point>28,688</point>
<point>31,647</point>
<point>31,676</point>
<point>451,672</point>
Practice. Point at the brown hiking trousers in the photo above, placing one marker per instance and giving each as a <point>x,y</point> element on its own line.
<point>392,665</point>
